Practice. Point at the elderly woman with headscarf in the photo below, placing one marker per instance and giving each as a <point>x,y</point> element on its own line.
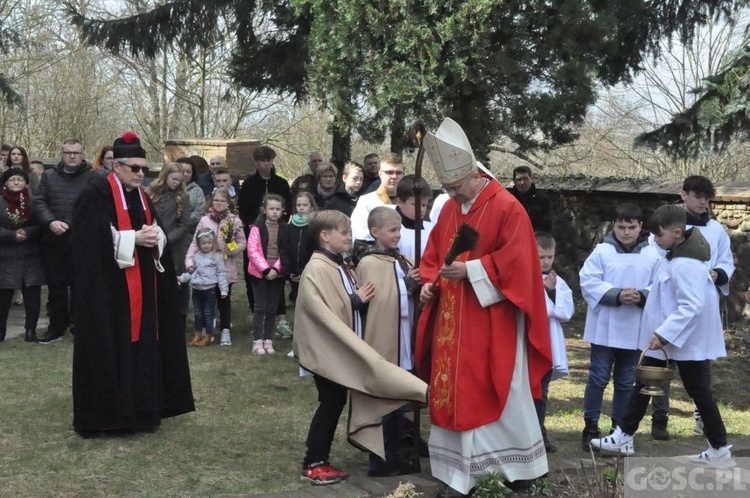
<point>19,250</point>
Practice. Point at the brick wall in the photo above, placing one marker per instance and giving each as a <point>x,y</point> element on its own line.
<point>239,153</point>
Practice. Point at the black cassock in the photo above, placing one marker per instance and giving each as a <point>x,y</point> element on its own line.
<point>119,384</point>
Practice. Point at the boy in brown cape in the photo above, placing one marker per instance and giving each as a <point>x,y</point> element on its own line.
<point>329,344</point>
<point>388,324</point>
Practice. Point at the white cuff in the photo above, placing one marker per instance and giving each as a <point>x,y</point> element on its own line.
<point>124,244</point>
<point>162,241</point>
<point>487,293</point>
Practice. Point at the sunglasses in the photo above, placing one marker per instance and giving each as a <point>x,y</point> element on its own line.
<point>136,169</point>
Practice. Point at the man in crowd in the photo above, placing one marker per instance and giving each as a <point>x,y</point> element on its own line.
<point>206,180</point>
<point>53,201</point>
<point>483,340</point>
<point>391,172</point>
<point>371,170</point>
<point>222,178</point>
<point>130,366</point>
<point>537,204</point>
<point>306,182</point>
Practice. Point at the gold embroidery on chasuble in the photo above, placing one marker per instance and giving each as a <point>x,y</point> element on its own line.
<point>442,383</point>
<point>445,346</point>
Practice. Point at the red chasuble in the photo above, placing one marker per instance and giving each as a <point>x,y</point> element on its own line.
<point>473,348</point>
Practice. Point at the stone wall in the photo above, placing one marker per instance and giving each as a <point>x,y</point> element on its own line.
<point>583,214</point>
<point>239,153</point>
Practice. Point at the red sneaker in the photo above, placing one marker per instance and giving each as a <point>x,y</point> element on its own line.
<point>322,474</point>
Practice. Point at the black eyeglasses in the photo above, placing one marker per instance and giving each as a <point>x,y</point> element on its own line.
<point>215,164</point>
<point>136,169</point>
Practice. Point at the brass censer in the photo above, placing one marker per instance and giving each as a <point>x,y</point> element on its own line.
<point>653,377</point>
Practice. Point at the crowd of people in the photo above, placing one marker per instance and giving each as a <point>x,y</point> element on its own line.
<point>473,322</point>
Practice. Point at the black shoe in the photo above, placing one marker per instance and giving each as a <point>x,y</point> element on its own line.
<point>659,429</point>
<point>591,431</point>
<point>30,335</point>
<point>548,446</point>
<point>50,337</point>
<point>408,442</point>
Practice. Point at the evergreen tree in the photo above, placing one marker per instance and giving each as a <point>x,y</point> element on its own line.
<point>8,38</point>
<point>720,115</point>
<point>526,70</point>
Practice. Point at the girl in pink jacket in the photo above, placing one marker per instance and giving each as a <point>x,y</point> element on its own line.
<point>265,270</point>
<point>230,238</point>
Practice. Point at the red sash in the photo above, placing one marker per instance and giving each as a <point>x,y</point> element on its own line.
<point>132,274</point>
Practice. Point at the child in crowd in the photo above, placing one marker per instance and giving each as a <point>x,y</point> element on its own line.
<point>328,343</point>
<point>559,309</point>
<point>406,207</point>
<point>388,326</point>
<point>682,317</point>
<point>697,192</point>
<point>208,274</point>
<point>614,279</point>
<point>296,248</point>
<point>221,219</point>
<point>265,269</point>
<point>346,195</point>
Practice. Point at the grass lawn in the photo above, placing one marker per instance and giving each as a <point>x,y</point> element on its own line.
<point>248,432</point>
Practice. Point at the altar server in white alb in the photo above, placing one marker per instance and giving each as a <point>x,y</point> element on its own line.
<point>614,283</point>
<point>559,310</point>
<point>697,192</point>
<point>682,318</point>
<point>391,173</point>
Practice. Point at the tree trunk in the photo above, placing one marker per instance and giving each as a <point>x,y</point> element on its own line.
<point>398,131</point>
<point>341,149</point>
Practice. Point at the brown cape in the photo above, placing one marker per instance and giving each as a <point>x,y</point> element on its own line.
<point>384,311</point>
<point>325,343</point>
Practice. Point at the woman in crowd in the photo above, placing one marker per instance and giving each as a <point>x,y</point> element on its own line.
<point>18,158</point>
<point>103,162</point>
<point>19,250</point>
<point>173,207</point>
<point>195,193</point>
<point>325,183</point>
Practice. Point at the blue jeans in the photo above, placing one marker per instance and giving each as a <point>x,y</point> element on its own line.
<point>204,304</point>
<point>621,364</point>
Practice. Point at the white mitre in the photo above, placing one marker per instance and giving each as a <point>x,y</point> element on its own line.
<point>450,152</point>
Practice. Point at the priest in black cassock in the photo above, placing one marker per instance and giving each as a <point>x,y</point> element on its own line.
<point>130,366</point>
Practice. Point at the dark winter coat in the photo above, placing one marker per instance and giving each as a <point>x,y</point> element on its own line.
<point>296,248</point>
<point>20,262</point>
<point>342,201</point>
<point>58,192</point>
<point>117,383</point>
<point>254,189</point>
<point>539,207</point>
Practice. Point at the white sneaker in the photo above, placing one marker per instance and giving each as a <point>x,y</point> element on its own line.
<point>268,344</point>
<point>717,458</point>
<point>226,339</point>
<point>258,347</point>
<point>617,442</point>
